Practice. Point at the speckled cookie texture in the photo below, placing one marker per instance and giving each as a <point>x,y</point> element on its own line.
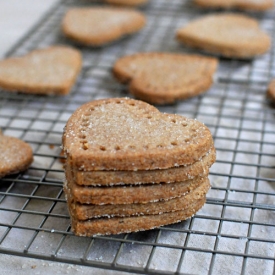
<point>15,155</point>
<point>271,90</point>
<point>228,34</point>
<point>130,3</point>
<point>174,174</point>
<point>107,226</point>
<point>250,5</point>
<point>140,168</point>
<point>87,211</point>
<point>97,26</point>
<point>161,78</point>
<point>127,134</point>
<point>132,194</point>
<point>51,70</point>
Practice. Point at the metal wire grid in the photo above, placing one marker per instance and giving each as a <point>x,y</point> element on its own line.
<point>234,233</point>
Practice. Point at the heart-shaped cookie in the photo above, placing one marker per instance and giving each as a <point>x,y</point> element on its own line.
<point>251,5</point>
<point>128,134</point>
<point>117,225</point>
<point>130,194</point>
<point>117,178</point>
<point>161,78</point>
<point>98,25</point>
<point>89,211</point>
<point>227,34</point>
<point>15,155</point>
<point>52,70</point>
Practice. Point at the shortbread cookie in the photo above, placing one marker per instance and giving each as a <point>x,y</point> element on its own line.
<point>52,70</point>
<point>129,3</point>
<point>107,226</point>
<point>162,78</point>
<point>15,155</point>
<point>229,35</point>
<point>97,26</point>
<point>271,90</point>
<point>252,5</point>
<point>175,174</point>
<point>128,134</point>
<point>85,211</point>
<point>130,194</point>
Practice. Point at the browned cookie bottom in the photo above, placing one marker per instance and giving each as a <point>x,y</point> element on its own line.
<point>107,226</point>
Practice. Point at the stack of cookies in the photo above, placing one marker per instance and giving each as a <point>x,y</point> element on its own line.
<point>130,167</point>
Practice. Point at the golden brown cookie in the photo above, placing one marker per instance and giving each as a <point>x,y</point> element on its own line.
<point>271,90</point>
<point>175,174</point>
<point>97,26</point>
<point>228,34</point>
<point>15,155</point>
<point>130,194</point>
<point>117,225</point>
<point>252,5</point>
<point>128,145</point>
<point>130,3</point>
<point>88,211</point>
<point>162,78</point>
<point>52,70</point>
<point>128,134</point>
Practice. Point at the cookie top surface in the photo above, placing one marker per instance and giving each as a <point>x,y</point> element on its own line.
<point>127,134</point>
<point>164,77</point>
<point>228,34</point>
<point>255,5</point>
<point>271,90</point>
<point>15,155</point>
<point>97,26</point>
<point>51,70</point>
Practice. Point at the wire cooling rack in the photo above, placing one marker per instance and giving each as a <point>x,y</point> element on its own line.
<point>234,233</point>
